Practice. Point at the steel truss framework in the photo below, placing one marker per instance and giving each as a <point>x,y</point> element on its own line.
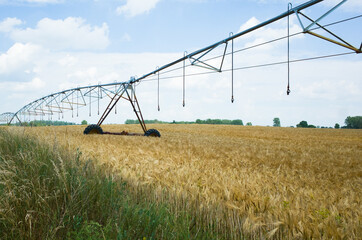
<point>73,99</point>
<point>6,117</point>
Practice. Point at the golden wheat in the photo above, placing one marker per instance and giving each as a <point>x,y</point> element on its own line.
<point>259,182</point>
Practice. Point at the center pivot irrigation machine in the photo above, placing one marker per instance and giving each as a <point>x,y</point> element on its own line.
<point>72,99</point>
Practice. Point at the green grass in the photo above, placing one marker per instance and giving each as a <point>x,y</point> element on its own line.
<point>49,193</point>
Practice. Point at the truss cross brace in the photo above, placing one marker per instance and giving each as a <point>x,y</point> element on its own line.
<point>197,62</point>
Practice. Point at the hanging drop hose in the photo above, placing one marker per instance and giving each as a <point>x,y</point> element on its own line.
<point>158,90</point>
<point>232,68</point>
<point>62,107</point>
<point>115,105</point>
<point>90,103</point>
<point>183,89</point>
<point>98,97</point>
<point>290,6</point>
<point>72,104</point>
<point>77,102</point>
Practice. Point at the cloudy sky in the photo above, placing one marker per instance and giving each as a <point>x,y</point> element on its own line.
<point>52,45</point>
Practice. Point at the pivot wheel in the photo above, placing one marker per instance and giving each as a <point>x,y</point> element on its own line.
<point>152,133</point>
<point>93,129</point>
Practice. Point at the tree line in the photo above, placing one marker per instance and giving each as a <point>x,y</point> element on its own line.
<point>350,123</point>
<point>198,121</point>
<point>42,123</point>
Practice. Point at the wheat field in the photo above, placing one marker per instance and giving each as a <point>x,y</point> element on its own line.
<point>252,182</point>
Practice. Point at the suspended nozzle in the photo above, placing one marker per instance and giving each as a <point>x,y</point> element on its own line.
<point>158,89</point>
<point>290,6</point>
<point>232,68</point>
<point>183,86</point>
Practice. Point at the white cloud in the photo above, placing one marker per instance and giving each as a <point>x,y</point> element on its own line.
<point>68,61</point>
<point>136,7</point>
<point>253,21</point>
<point>268,33</point>
<point>8,24</point>
<point>68,34</point>
<point>19,59</point>
<point>34,84</point>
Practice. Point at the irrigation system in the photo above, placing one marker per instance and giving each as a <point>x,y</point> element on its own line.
<point>75,98</point>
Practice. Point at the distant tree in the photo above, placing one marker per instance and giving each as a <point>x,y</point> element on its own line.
<point>276,122</point>
<point>84,122</point>
<point>354,122</point>
<point>198,121</point>
<point>336,126</point>
<point>249,124</point>
<point>225,122</point>
<point>302,124</point>
<point>237,122</point>
<point>129,121</point>
<point>217,121</point>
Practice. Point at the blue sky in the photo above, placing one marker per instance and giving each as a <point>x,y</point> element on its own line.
<point>52,45</point>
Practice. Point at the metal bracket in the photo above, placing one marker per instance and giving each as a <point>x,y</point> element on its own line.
<point>339,41</point>
<point>197,62</point>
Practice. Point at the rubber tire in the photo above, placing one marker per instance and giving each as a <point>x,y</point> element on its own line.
<point>152,133</point>
<point>93,129</point>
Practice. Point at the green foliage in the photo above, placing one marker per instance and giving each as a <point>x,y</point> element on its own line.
<point>48,193</point>
<point>84,122</point>
<point>155,121</point>
<point>42,123</point>
<point>198,121</point>
<point>336,126</point>
<point>276,122</point>
<point>237,122</point>
<point>354,122</point>
<point>304,124</point>
<point>249,124</point>
<point>89,231</point>
<point>322,213</point>
<point>220,121</point>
